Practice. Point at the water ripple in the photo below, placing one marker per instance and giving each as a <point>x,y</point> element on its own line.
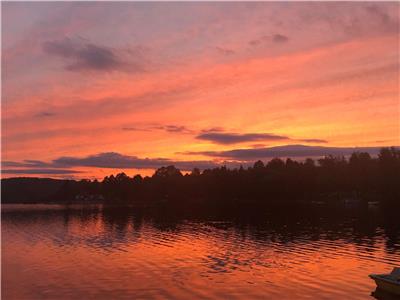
<point>102,254</point>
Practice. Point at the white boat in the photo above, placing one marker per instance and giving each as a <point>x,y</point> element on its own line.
<point>388,282</point>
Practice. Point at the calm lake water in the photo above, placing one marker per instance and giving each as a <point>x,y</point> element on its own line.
<point>58,252</point>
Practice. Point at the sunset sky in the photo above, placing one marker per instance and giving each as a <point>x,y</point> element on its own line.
<point>90,89</point>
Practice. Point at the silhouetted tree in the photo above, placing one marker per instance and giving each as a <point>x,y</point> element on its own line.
<point>167,172</point>
<point>389,167</point>
<point>195,172</point>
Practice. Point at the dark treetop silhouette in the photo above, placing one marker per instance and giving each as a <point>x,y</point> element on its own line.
<point>330,179</point>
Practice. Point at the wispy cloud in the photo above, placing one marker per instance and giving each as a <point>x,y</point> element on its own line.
<point>45,114</point>
<point>135,129</point>
<point>167,128</point>
<point>274,38</point>
<point>225,51</point>
<point>213,129</point>
<point>27,164</point>
<point>382,19</point>
<point>176,128</point>
<point>280,38</point>
<point>82,55</point>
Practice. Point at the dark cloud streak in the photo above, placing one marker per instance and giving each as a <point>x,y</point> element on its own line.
<point>167,128</point>
<point>84,56</point>
<point>41,171</point>
<point>279,38</point>
<point>249,154</point>
<point>110,160</point>
<point>27,164</point>
<point>119,161</point>
<point>319,141</point>
<point>235,138</point>
<point>45,114</point>
<point>276,38</point>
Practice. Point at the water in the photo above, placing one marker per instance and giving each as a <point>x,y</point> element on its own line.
<point>57,252</point>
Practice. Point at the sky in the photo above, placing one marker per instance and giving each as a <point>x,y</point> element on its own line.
<point>95,88</point>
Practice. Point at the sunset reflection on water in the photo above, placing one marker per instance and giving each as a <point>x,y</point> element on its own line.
<point>57,252</point>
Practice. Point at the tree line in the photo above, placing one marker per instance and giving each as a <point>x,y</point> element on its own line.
<point>331,179</point>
